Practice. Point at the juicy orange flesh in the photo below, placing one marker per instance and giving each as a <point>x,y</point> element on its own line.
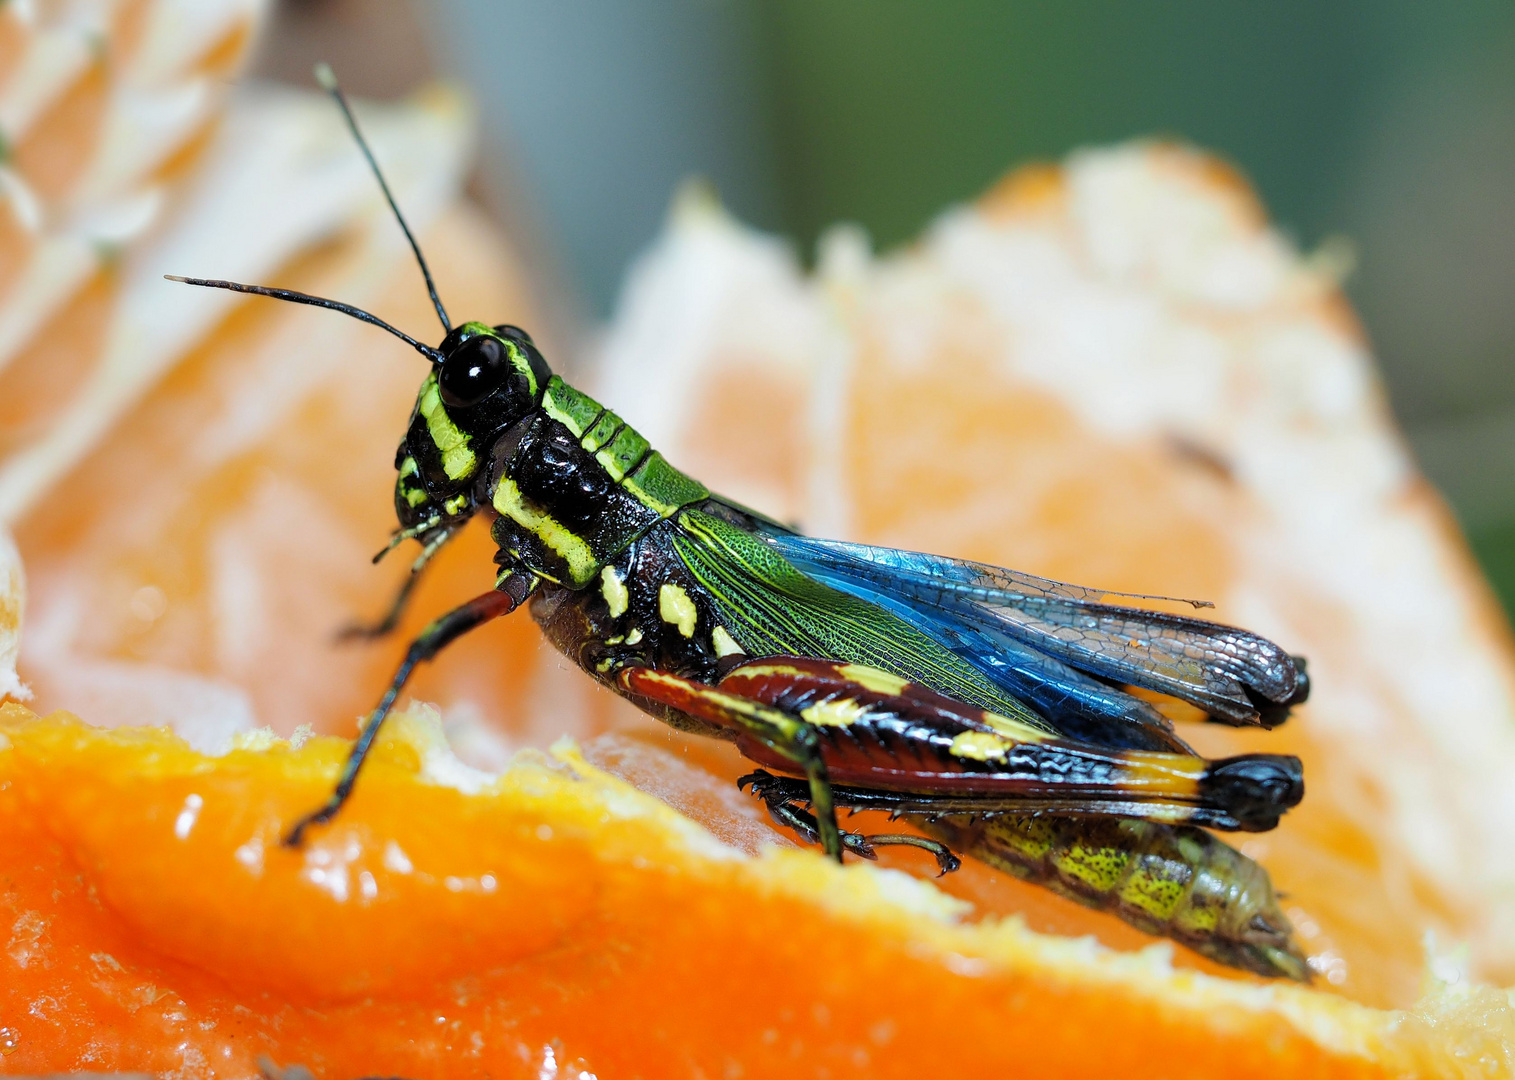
<point>433,933</point>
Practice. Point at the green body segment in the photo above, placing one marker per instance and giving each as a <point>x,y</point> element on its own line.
<point>1174,881</point>
<point>622,448</point>
<point>570,407</point>
<point>772,609</point>
<point>660,487</point>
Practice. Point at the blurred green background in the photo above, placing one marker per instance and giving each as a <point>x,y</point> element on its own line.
<point>1391,124</point>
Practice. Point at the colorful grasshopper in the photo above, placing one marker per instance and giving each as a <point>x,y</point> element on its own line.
<point>982,704</point>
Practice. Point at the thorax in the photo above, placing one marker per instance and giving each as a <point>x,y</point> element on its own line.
<point>574,485</point>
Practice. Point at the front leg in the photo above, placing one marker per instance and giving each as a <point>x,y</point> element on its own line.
<point>501,600</point>
<point>784,733</point>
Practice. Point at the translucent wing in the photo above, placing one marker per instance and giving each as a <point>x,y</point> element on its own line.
<point>1235,676</point>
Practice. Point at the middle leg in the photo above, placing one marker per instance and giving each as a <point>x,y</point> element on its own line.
<point>502,600</point>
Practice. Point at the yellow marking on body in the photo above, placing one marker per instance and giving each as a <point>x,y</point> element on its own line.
<point>614,591</point>
<point>1192,851</point>
<point>1032,837</point>
<point>773,723</point>
<point>752,671</point>
<point>1014,729</point>
<point>458,461</point>
<point>415,496</point>
<point>980,746</point>
<point>1099,867</point>
<point>519,361</point>
<point>509,501</point>
<point>1199,918</point>
<point>635,635</point>
<point>838,712</point>
<point>676,608</point>
<point>723,643</point>
<point>1166,813</point>
<point>880,682</point>
<point>456,503</point>
<point>1155,893</point>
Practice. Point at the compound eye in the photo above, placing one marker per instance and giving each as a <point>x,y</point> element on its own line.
<point>473,371</point>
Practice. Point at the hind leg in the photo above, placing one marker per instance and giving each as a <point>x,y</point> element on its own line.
<point>783,732</point>
<point>783,796</point>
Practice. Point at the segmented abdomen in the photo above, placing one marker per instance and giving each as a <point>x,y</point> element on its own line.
<point>1173,881</point>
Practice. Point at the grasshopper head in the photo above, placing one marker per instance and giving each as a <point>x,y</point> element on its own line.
<point>483,380</point>
<point>488,380</point>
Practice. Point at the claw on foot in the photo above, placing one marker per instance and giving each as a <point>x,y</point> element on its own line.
<point>295,838</point>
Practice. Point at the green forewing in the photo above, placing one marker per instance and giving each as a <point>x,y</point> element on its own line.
<point>770,608</point>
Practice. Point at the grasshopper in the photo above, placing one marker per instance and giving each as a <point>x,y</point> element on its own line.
<point>988,707</point>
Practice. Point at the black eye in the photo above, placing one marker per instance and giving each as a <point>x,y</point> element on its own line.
<point>473,371</point>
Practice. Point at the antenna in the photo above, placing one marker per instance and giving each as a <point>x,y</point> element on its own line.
<point>328,80</point>
<point>434,355</point>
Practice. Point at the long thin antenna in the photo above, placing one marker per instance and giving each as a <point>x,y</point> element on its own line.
<point>328,80</point>
<point>434,355</point>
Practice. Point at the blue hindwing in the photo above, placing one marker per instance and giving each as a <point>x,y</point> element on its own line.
<point>1058,647</point>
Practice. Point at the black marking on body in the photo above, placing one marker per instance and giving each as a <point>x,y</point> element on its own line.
<point>552,469</point>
